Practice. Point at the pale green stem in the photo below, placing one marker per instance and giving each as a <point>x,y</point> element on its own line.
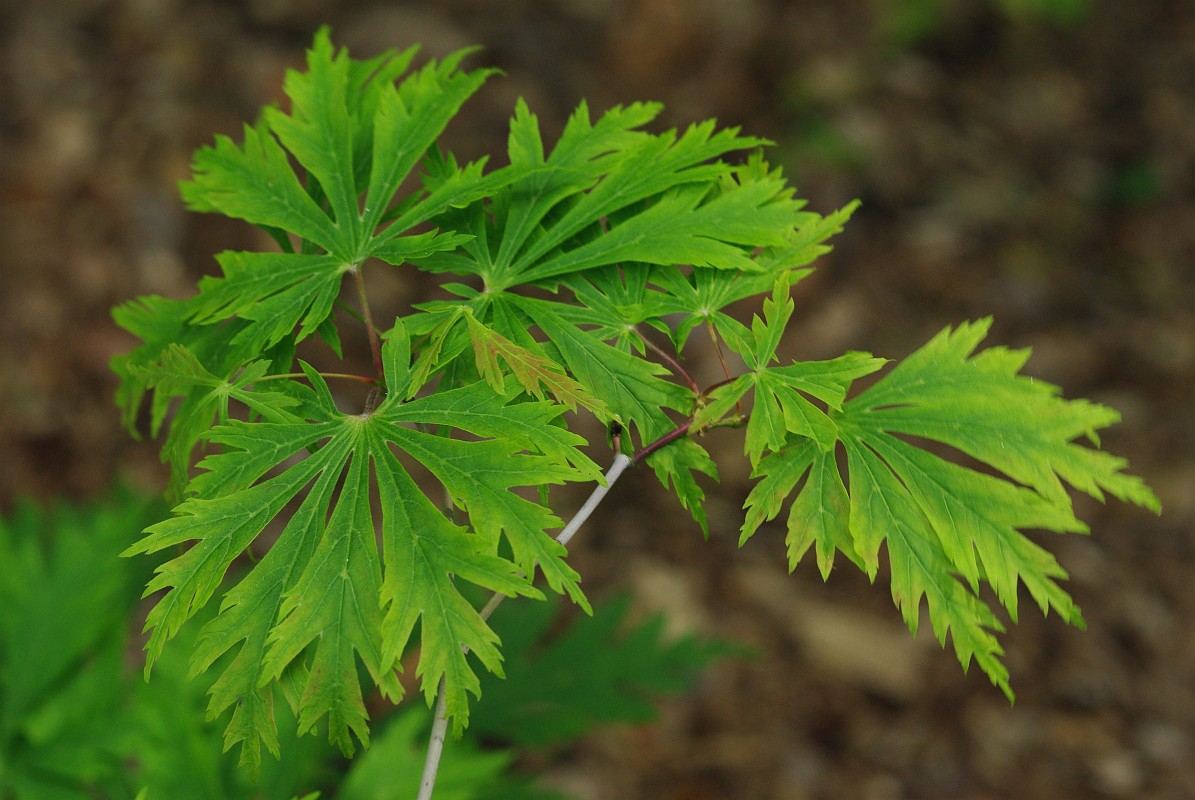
<point>435,745</point>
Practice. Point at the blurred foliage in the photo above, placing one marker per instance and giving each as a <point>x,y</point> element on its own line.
<point>599,669</point>
<point>77,722</point>
<point>906,23</point>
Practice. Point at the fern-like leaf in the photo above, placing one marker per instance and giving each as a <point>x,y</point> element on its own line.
<point>948,528</point>
<point>323,591</point>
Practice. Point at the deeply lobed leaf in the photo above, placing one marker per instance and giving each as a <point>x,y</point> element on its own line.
<point>355,138</point>
<point>576,266</point>
<point>947,528</point>
<point>324,596</point>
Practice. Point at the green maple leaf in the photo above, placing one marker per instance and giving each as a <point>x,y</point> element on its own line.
<point>323,596</point>
<point>633,387</point>
<point>532,371</point>
<point>637,228</point>
<point>355,137</point>
<point>570,263</point>
<point>653,190</point>
<point>949,528</point>
<point>782,404</point>
<point>206,401</point>
<point>675,466</point>
<point>607,197</point>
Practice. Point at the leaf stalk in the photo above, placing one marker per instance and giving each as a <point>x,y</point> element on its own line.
<point>375,347</point>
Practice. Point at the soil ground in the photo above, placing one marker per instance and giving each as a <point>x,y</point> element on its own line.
<point>1037,165</point>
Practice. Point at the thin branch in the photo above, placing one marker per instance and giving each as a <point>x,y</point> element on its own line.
<point>336,375</point>
<point>709,325</point>
<point>375,347</point>
<point>621,462</point>
<point>435,745</point>
<point>679,432</point>
<point>439,732</point>
<point>672,363</point>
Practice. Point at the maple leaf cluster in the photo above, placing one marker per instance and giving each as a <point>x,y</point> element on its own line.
<point>574,279</point>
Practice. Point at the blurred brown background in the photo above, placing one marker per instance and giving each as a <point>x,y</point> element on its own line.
<point>1030,159</point>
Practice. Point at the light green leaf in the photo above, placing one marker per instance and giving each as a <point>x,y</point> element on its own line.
<point>255,182</point>
<point>941,521</point>
<point>948,529</point>
<point>533,372</point>
<point>277,292</point>
<point>630,387</point>
<point>882,511</point>
<point>205,401</point>
<point>819,516</point>
<point>318,132</point>
<point>1016,424</point>
<point>322,591</point>
<point>675,465</point>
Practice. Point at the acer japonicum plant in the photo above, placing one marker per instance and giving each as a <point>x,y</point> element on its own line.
<point>573,280</point>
